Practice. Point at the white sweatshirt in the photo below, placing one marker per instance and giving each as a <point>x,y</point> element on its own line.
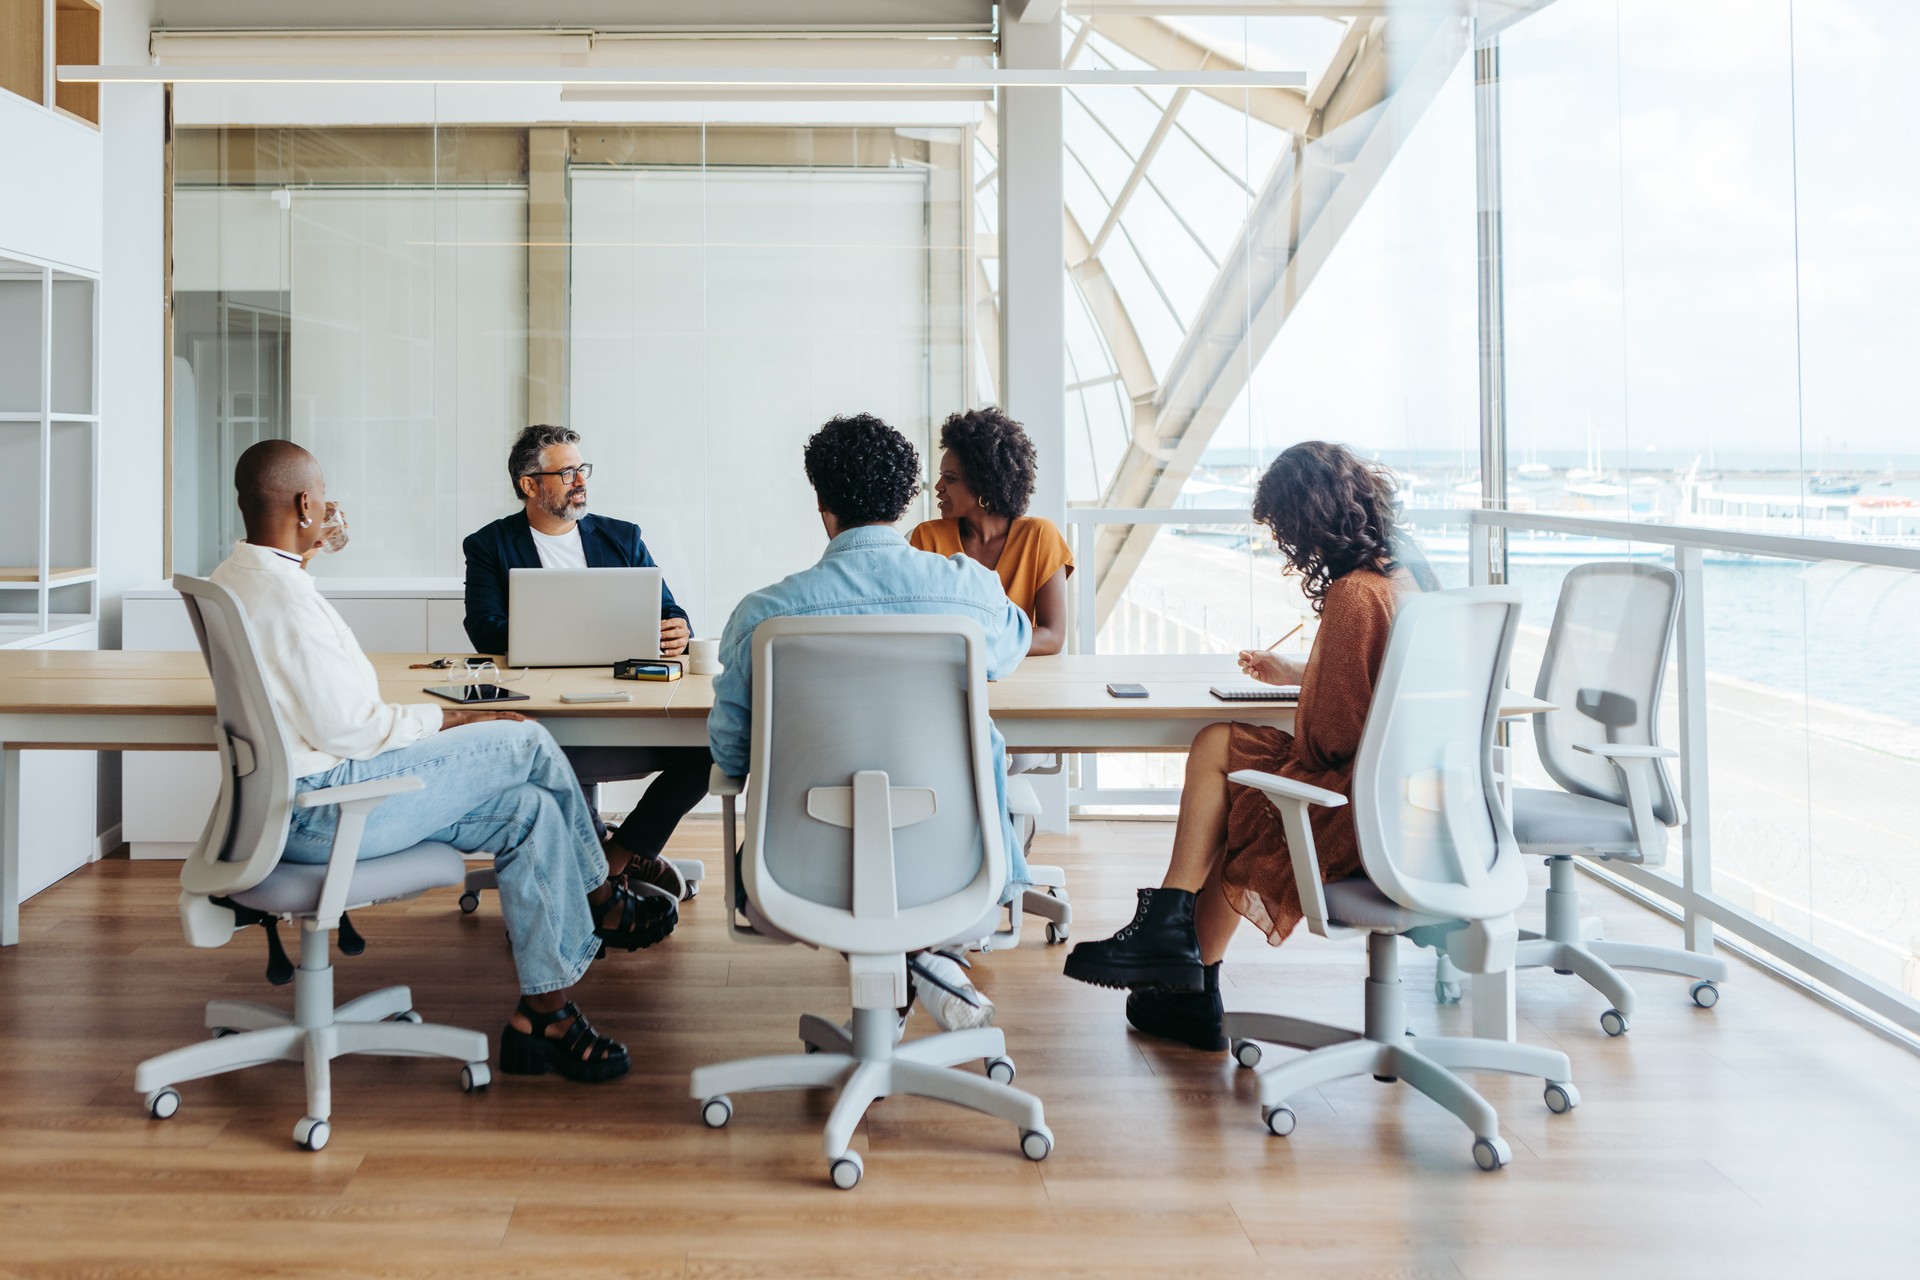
<point>322,685</point>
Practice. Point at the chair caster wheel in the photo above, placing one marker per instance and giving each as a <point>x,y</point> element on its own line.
<point>312,1134</point>
<point>1446,993</point>
<point>475,1076</point>
<point>1561,1097</point>
<point>469,903</point>
<point>1614,1022</point>
<point>715,1112</point>
<point>1036,1144</point>
<point>163,1103</point>
<point>1279,1120</point>
<point>409,1015</point>
<point>1056,933</point>
<point>846,1171</point>
<point>1705,994</point>
<point>1388,1079</point>
<point>1000,1070</point>
<point>1491,1153</point>
<point>221,1033</point>
<point>1246,1053</point>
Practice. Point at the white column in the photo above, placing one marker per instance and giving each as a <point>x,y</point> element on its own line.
<point>132,338</point>
<point>1032,274</point>
<point>1032,257</point>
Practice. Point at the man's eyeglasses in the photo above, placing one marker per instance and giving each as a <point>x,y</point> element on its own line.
<point>568,474</point>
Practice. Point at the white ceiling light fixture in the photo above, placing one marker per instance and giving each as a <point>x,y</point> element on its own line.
<point>750,79</point>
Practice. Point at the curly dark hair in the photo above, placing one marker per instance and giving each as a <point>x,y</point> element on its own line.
<point>863,470</point>
<point>1330,513</point>
<point>995,457</point>
<point>523,459</point>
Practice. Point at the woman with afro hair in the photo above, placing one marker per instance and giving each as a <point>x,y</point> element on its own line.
<point>1332,516</point>
<point>985,482</point>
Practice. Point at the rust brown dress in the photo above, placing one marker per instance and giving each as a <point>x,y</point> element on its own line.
<point>1335,694</point>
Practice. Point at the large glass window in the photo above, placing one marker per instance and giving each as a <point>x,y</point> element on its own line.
<point>1710,270</point>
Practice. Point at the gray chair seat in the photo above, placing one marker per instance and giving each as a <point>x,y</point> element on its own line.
<point>1358,904</point>
<point>1554,821</point>
<point>294,887</point>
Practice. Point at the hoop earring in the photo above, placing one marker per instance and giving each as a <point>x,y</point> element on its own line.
<point>985,505</point>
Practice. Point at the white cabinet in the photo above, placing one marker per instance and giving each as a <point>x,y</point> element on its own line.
<point>447,627</point>
<point>58,809</point>
<point>165,796</point>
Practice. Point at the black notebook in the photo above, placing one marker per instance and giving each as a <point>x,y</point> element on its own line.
<point>1257,692</point>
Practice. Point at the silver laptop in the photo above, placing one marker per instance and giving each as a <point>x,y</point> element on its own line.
<point>582,617</point>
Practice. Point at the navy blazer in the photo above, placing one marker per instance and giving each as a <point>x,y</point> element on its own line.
<point>507,543</point>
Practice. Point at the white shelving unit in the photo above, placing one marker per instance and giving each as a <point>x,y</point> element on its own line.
<point>49,450</point>
<point>50,529</point>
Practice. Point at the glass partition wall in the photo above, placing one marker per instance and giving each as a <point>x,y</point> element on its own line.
<point>694,299</point>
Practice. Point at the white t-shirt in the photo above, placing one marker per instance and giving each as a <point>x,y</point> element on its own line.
<point>561,551</point>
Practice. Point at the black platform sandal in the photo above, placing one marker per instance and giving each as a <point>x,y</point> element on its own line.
<point>581,1053</point>
<point>645,917</point>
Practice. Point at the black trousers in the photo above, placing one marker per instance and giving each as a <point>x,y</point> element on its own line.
<point>681,784</point>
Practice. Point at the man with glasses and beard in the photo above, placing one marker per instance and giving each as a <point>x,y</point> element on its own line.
<point>554,530</point>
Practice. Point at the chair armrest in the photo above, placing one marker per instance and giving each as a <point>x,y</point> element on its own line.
<point>719,784</point>
<point>1635,765</point>
<point>1626,751</point>
<point>355,801</point>
<point>1291,799</point>
<point>378,789</point>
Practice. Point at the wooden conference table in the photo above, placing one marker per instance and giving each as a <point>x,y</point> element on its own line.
<point>114,700</point>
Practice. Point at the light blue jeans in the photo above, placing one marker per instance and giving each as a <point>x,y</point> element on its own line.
<point>500,787</point>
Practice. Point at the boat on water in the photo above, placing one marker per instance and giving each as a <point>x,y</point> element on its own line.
<point>1832,484</point>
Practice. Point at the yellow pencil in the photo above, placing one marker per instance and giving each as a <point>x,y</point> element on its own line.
<point>1277,643</point>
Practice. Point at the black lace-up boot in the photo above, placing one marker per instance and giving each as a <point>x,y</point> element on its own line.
<point>1158,950</point>
<point>1190,1017</point>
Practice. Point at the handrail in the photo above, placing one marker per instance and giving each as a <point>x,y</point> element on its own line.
<point>1781,546</point>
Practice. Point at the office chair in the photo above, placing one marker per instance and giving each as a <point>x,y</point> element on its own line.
<point>481,879</point>
<point>1605,662</point>
<point>1441,868</point>
<point>235,878</point>
<point>872,830</point>
<point>1047,895</point>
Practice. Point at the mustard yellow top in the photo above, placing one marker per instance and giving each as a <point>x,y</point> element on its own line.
<point>1035,551</point>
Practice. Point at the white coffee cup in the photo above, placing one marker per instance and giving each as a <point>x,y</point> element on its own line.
<point>703,657</point>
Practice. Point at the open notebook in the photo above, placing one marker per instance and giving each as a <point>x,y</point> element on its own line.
<point>1256,692</point>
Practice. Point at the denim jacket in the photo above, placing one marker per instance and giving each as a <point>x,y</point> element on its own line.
<point>871,570</point>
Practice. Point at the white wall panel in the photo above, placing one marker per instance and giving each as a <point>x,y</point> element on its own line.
<point>409,365</point>
<point>717,320</point>
<point>50,177</point>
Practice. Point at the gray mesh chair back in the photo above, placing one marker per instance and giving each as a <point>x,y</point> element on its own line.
<point>247,829</point>
<point>1433,834</point>
<point>1605,663</point>
<point>901,695</point>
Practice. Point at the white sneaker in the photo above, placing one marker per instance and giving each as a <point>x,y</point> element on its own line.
<point>950,1009</point>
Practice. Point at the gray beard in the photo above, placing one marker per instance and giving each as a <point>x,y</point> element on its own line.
<point>567,511</point>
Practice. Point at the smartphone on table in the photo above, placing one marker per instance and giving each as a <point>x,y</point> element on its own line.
<point>471,694</point>
<point>1120,690</point>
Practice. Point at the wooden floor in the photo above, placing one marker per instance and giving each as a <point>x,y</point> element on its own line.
<point>1768,1137</point>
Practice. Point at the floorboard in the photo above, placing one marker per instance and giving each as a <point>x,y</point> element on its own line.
<point>1768,1137</point>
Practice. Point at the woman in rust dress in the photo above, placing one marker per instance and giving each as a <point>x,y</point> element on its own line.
<point>1331,515</point>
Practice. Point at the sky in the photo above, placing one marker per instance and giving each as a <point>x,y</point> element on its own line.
<point>1708,239</point>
